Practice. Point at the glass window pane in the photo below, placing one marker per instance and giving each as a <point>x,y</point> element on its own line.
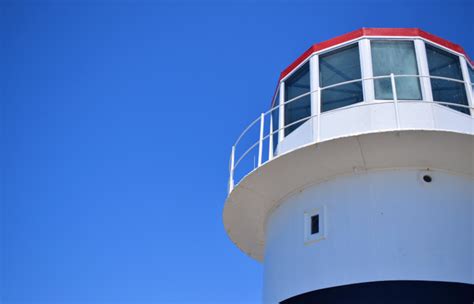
<point>399,58</point>
<point>275,121</point>
<point>315,224</point>
<point>300,108</point>
<point>336,67</point>
<point>444,64</point>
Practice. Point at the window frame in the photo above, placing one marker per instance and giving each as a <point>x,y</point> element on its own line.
<point>419,57</point>
<point>469,72</point>
<point>281,101</point>
<point>316,81</point>
<point>308,215</point>
<point>335,49</point>
<point>274,111</point>
<point>461,58</point>
<point>288,130</point>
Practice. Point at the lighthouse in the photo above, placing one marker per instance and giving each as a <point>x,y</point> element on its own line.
<point>357,185</point>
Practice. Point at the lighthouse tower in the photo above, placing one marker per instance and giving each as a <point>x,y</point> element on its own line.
<point>357,186</point>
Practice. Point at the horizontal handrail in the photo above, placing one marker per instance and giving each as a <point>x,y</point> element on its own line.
<point>245,153</point>
<point>233,165</point>
<point>360,104</point>
<point>276,107</point>
<point>246,130</point>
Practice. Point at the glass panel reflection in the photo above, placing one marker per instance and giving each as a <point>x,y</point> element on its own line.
<point>399,58</point>
<point>336,67</point>
<point>300,108</point>
<point>444,64</point>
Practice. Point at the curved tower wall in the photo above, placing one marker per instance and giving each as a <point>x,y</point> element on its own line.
<point>378,226</point>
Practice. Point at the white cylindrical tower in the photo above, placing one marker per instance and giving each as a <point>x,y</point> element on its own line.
<point>357,186</point>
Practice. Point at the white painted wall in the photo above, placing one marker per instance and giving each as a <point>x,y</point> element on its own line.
<point>301,136</point>
<point>369,117</point>
<point>384,225</point>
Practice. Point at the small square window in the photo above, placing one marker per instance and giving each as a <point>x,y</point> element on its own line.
<point>314,225</point>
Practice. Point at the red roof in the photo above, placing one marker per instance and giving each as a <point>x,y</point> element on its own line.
<point>367,32</point>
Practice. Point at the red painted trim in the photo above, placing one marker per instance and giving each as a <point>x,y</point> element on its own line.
<point>368,32</point>
<point>321,46</point>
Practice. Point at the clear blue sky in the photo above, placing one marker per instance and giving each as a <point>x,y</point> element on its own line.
<point>117,122</point>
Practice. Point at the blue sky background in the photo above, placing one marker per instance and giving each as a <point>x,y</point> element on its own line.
<point>117,122</point>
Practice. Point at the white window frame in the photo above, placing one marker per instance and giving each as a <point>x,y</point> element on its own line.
<point>464,73</point>
<point>467,82</point>
<point>334,49</point>
<point>366,69</point>
<point>423,70</point>
<point>321,235</point>
<point>417,57</point>
<point>274,125</point>
<point>281,115</point>
<point>315,96</point>
<point>471,80</point>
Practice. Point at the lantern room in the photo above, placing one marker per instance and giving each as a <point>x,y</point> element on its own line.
<point>368,80</point>
<point>380,65</point>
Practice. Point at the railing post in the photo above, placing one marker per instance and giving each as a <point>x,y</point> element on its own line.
<point>231,169</point>
<point>260,142</point>
<point>281,113</point>
<point>270,138</point>
<point>395,99</point>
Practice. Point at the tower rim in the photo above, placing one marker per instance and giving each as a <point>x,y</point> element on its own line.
<point>261,191</point>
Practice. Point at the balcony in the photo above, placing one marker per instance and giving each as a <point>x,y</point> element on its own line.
<point>355,119</point>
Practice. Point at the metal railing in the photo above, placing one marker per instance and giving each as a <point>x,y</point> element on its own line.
<point>233,164</point>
